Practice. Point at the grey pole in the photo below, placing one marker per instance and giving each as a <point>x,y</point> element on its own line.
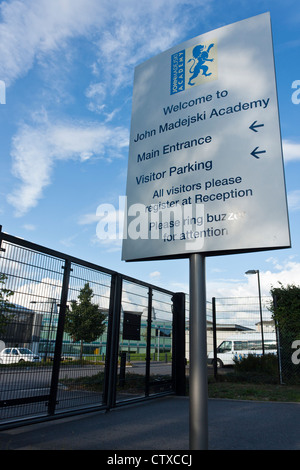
<point>256,271</point>
<point>198,355</point>
<point>260,313</point>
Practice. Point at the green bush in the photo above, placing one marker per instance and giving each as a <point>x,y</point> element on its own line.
<point>267,364</point>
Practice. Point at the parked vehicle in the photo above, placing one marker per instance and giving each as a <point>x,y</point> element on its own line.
<point>14,355</point>
<point>239,346</point>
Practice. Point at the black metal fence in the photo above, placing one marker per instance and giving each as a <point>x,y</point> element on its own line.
<point>142,352</point>
<point>46,372</point>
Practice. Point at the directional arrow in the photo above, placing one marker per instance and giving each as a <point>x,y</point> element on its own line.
<point>255,152</point>
<point>254,126</point>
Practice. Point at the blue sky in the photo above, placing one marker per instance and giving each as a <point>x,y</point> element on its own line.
<point>68,69</point>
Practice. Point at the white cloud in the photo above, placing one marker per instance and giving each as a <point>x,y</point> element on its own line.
<point>29,227</point>
<point>46,35</point>
<point>97,93</point>
<point>155,274</point>
<point>291,150</point>
<point>96,89</point>
<point>69,241</point>
<point>294,200</point>
<point>286,272</point>
<point>35,151</point>
<point>110,245</point>
<point>109,228</point>
<point>87,219</point>
<point>29,30</point>
<point>157,26</point>
<point>123,34</point>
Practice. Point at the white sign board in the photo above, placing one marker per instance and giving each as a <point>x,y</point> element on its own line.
<point>205,171</point>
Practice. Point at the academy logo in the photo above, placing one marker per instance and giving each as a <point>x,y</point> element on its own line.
<point>194,66</point>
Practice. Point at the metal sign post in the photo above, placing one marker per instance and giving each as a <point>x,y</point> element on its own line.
<point>205,167</point>
<point>198,352</point>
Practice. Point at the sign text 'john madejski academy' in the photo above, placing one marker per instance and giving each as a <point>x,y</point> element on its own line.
<point>205,171</point>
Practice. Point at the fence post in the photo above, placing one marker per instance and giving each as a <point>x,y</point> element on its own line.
<point>112,348</point>
<point>178,345</point>
<point>122,369</point>
<point>148,347</point>
<point>1,249</point>
<point>278,341</point>
<point>214,319</point>
<point>59,337</point>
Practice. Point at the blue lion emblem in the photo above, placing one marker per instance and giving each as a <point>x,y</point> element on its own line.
<point>200,56</point>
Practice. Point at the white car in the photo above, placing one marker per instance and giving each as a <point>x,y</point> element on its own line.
<point>13,355</point>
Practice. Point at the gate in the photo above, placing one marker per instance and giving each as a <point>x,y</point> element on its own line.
<point>140,354</point>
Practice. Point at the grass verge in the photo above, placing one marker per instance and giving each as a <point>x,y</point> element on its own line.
<point>229,386</point>
<point>253,391</point>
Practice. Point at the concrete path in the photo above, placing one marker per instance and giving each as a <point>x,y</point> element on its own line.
<point>163,424</point>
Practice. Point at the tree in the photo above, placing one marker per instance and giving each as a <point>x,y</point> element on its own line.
<point>84,320</point>
<point>286,313</point>
<point>5,305</point>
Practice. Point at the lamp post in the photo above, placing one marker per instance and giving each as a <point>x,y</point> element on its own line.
<point>256,271</point>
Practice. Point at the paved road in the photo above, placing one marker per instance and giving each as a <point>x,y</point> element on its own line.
<point>163,424</point>
<point>14,380</point>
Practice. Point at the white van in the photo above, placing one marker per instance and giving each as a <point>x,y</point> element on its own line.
<point>240,345</point>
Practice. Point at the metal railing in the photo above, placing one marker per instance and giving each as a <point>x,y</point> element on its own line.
<point>250,323</point>
<point>139,355</point>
